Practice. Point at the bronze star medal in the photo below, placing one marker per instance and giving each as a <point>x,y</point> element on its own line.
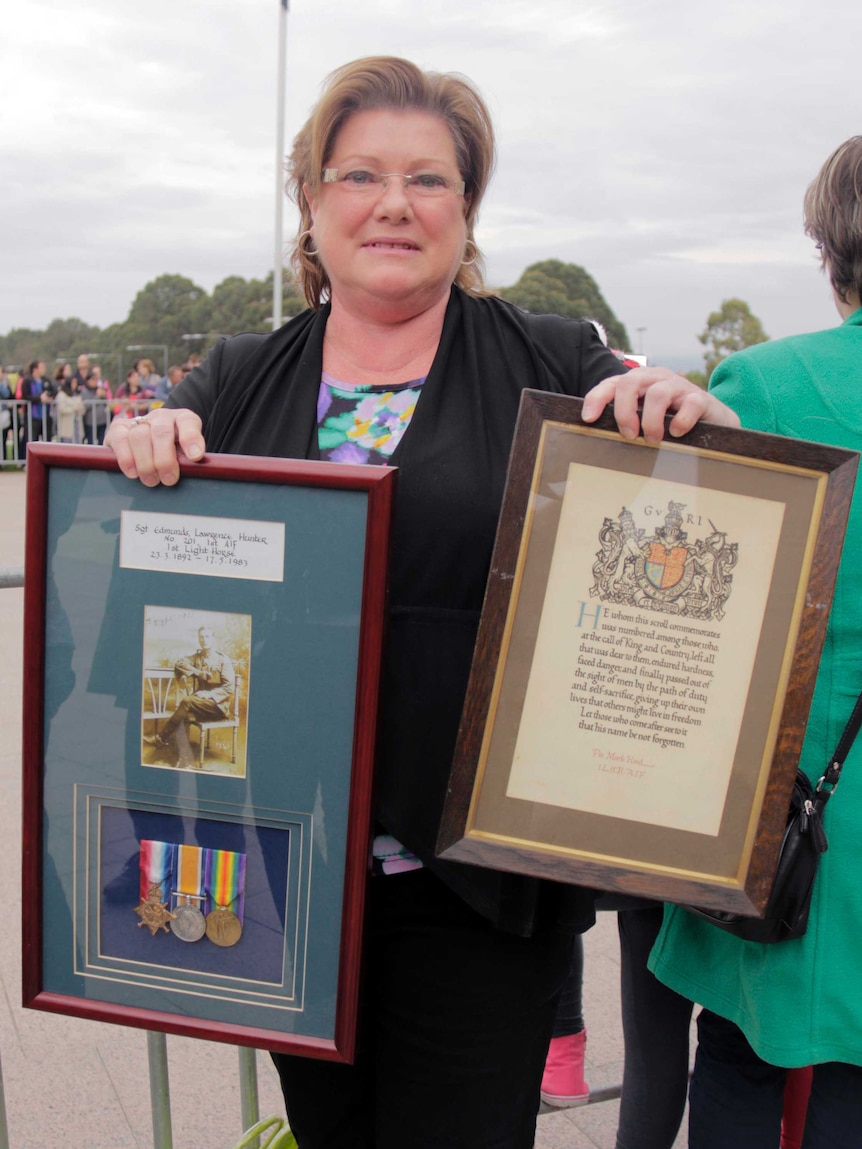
<point>153,912</point>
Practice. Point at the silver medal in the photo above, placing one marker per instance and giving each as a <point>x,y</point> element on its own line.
<point>189,924</point>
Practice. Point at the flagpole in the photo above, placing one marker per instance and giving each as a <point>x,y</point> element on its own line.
<point>279,166</point>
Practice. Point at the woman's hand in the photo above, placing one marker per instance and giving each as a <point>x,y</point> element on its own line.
<point>662,391</point>
<point>148,448</point>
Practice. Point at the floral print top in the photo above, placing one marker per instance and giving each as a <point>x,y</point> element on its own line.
<point>364,424</point>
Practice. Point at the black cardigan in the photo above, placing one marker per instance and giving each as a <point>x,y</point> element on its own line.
<point>257,395</point>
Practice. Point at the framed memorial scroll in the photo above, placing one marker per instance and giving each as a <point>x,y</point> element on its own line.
<point>646,657</point>
<point>201,675</point>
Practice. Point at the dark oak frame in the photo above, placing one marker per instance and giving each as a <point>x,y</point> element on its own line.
<point>491,841</point>
<point>378,483</point>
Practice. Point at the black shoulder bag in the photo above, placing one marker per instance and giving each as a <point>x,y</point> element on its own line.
<point>804,841</point>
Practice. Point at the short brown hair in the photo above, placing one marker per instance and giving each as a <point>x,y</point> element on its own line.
<point>387,82</point>
<point>833,217</point>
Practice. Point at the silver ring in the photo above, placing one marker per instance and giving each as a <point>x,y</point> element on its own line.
<point>138,419</point>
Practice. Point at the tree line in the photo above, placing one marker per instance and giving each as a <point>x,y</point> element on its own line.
<point>162,312</point>
<point>173,306</point>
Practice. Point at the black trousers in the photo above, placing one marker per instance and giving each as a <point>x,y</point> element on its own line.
<point>655,1032</point>
<point>569,1017</point>
<point>737,1098</point>
<point>456,1019</point>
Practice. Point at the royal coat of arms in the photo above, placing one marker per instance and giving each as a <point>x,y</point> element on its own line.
<point>664,571</point>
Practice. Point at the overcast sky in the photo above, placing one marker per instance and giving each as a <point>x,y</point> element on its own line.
<point>665,145</point>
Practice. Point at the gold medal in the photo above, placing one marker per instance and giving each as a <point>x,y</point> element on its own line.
<point>153,912</point>
<point>223,927</point>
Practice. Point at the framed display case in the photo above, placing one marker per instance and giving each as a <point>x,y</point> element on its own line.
<point>201,669</point>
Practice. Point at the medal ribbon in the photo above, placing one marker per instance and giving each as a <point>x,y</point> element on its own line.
<point>157,864</point>
<point>189,873</point>
<point>225,880</point>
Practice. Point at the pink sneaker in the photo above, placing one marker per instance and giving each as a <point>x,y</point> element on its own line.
<point>563,1080</point>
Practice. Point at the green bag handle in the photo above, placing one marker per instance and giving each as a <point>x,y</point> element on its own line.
<point>280,1135</point>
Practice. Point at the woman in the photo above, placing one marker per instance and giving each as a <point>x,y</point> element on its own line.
<point>402,358</point>
<point>69,408</point>
<point>96,392</point>
<point>35,423</point>
<point>135,397</point>
<point>147,371</point>
<point>773,1007</point>
<point>5,410</point>
<point>50,390</point>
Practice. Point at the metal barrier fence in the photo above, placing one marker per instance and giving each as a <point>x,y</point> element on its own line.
<point>23,421</point>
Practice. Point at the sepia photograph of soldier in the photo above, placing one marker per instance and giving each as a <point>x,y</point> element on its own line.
<point>195,701</point>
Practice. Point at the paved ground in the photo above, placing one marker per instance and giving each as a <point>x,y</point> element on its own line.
<point>84,1085</point>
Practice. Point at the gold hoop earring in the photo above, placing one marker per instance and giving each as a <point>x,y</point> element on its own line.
<point>470,262</point>
<point>311,252</point>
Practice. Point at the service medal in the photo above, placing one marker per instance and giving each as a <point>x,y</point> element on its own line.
<point>156,861</point>
<point>223,927</point>
<point>225,886</point>
<point>188,923</point>
<point>153,912</point>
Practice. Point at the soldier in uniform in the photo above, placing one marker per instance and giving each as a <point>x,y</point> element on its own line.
<point>208,675</point>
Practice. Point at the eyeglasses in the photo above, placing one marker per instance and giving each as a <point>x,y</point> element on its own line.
<point>425,184</point>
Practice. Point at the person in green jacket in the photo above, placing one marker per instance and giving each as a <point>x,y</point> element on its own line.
<point>773,1007</point>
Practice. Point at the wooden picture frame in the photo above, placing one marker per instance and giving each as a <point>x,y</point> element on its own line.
<point>260,585</point>
<point>646,657</point>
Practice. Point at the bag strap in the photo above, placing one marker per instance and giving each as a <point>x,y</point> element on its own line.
<point>836,763</point>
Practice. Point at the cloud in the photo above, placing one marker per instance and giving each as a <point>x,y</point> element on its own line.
<point>663,145</point>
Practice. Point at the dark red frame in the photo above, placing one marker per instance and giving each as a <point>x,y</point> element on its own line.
<point>379,483</point>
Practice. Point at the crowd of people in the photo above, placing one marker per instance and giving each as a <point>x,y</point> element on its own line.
<point>404,357</point>
<point>76,406</point>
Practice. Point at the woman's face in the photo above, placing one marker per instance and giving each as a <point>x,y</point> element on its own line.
<point>385,247</point>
